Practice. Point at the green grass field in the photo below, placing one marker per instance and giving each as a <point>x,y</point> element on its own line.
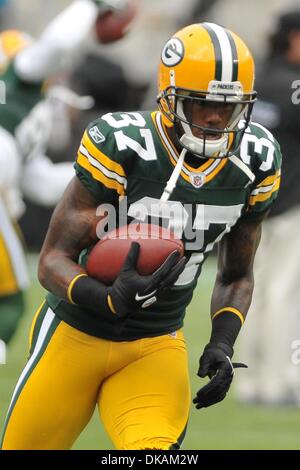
<point>227,425</point>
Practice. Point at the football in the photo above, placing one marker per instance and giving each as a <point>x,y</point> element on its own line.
<point>113,25</point>
<point>108,255</point>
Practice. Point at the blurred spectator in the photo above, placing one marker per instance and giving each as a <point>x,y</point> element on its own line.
<point>274,319</point>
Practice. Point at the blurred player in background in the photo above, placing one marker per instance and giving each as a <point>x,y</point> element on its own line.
<point>121,347</point>
<point>274,320</point>
<point>27,117</point>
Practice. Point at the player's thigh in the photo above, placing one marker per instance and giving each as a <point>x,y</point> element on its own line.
<point>57,391</point>
<point>146,404</point>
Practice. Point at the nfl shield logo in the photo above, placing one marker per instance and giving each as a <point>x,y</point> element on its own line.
<point>197,179</point>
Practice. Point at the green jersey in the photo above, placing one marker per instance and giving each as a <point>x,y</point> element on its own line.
<point>21,98</point>
<point>130,156</point>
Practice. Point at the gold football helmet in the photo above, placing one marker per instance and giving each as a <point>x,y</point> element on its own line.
<point>11,42</point>
<point>206,62</point>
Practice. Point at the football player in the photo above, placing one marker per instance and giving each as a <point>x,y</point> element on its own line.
<point>93,344</point>
<point>26,119</point>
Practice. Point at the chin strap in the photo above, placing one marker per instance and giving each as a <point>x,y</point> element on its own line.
<point>171,184</point>
<point>242,166</point>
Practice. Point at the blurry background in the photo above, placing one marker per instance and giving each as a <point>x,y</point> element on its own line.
<point>122,76</point>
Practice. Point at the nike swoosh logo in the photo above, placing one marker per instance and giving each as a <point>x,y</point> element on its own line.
<point>139,298</point>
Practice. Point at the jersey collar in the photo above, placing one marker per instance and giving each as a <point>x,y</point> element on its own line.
<point>208,170</point>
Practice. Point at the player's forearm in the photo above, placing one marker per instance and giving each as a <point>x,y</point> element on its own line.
<point>69,281</point>
<point>229,306</point>
<point>72,228</point>
<point>71,27</point>
<point>59,42</point>
<point>234,285</point>
<point>56,272</point>
<point>237,293</point>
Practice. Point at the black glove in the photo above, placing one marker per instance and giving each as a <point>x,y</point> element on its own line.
<point>215,363</point>
<point>131,291</point>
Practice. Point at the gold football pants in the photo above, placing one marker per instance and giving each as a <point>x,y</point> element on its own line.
<point>141,388</point>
